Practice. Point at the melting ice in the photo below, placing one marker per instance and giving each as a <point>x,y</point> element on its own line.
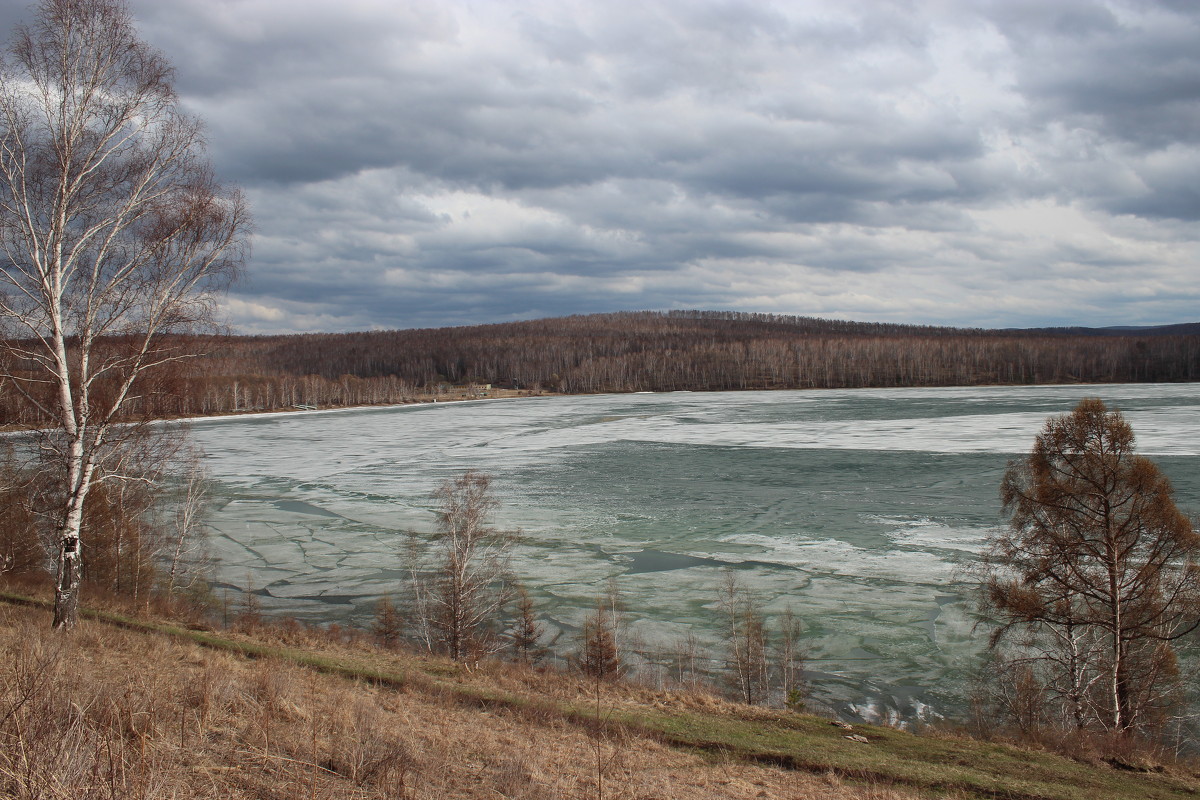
<point>856,508</point>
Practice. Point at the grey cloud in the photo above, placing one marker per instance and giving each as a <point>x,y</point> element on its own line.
<point>1136,77</point>
<point>1177,196</point>
<point>425,163</point>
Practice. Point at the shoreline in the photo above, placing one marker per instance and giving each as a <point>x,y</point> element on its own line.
<point>520,394</point>
<point>419,400</point>
<point>425,400</point>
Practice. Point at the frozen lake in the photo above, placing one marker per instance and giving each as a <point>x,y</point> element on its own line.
<point>856,507</point>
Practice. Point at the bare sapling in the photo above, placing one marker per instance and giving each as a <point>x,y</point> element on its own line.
<point>745,632</point>
<point>188,558</point>
<point>789,655</point>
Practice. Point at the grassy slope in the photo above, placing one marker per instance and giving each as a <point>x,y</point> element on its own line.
<point>925,765</point>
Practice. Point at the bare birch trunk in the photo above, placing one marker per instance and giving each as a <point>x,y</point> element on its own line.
<point>69,563</point>
<point>69,575</point>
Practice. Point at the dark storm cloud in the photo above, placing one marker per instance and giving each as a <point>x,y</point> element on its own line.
<point>1131,76</point>
<point>416,164</point>
<point>1128,76</point>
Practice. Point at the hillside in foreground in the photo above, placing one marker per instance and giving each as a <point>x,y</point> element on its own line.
<point>150,709</point>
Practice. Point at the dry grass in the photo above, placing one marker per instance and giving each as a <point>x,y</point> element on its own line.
<point>107,713</point>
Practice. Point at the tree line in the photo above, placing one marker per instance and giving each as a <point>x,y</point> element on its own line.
<point>628,352</point>
<point>702,351</point>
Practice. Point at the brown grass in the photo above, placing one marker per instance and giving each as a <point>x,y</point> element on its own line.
<point>107,713</point>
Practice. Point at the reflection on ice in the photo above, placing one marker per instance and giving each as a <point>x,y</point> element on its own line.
<point>855,508</point>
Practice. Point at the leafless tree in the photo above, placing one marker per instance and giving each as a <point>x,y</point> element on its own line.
<point>788,655</point>
<point>115,238</point>
<point>684,659</point>
<point>1095,575</point>
<point>459,598</point>
<point>1009,696</point>
<point>416,591</point>
<point>745,631</point>
<point>187,556</point>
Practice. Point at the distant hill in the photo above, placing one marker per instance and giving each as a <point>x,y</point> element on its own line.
<point>651,351</point>
<point>1181,329</point>
<point>701,350</point>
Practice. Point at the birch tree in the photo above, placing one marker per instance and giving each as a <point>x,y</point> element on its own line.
<point>745,632</point>
<point>788,654</point>
<point>115,237</point>
<point>187,556</point>
<point>461,601</point>
<point>1096,575</point>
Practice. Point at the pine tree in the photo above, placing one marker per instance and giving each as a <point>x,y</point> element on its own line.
<point>388,625</point>
<point>599,653</point>
<point>526,633</point>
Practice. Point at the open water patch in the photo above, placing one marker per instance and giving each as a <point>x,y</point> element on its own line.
<point>645,561</point>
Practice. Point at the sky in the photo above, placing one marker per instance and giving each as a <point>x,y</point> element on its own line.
<point>420,163</point>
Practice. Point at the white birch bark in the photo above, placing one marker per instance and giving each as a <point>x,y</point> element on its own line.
<point>113,238</point>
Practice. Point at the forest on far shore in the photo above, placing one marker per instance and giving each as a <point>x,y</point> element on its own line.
<point>643,351</point>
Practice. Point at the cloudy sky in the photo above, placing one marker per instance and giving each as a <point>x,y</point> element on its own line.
<point>415,163</point>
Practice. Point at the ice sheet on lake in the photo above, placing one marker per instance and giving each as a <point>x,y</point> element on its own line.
<point>857,508</point>
<point>929,534</point>
<point>838,557</point>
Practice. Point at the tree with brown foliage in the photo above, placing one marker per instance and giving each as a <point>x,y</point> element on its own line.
<point>526,632</point>
<point>115,238</point>
<point>1095,575</point>
<point>599,653</point>
<point>388,624</point>
<point>136,549</point>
